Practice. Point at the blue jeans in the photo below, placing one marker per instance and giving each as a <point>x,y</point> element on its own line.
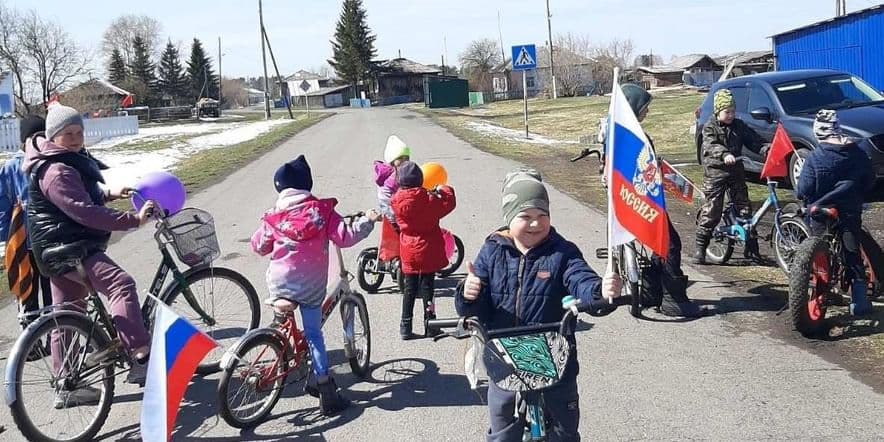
<point>311,318</point>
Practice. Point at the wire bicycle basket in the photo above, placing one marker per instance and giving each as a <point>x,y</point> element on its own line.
<point>191,233</point>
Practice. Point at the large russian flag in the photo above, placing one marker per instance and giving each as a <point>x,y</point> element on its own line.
<point>176,350</point>
<point>636,206</point>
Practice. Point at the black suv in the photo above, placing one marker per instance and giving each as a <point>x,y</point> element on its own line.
<point>793,98</point>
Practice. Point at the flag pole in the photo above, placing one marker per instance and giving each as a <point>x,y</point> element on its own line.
<point>608,175</point>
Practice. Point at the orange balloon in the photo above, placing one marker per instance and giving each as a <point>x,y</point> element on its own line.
<point>434,175</point>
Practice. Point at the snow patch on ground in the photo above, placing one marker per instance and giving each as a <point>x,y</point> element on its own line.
<point>491,130</point>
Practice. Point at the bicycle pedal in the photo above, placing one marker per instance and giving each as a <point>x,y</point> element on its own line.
<point>601,253</point>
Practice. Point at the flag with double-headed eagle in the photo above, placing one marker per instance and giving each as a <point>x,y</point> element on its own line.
<point>636,206</point>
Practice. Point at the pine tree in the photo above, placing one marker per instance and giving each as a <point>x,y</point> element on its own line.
<point>142,72</point>
<point>353,47</point>
<point>172,82</point>
<point>201,78</point>
<point>116,70</point>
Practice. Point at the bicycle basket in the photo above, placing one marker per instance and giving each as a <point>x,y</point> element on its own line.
<point>527,363</point>
<point>191,232</point>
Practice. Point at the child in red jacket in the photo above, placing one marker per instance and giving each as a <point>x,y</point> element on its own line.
<point>422,247</point>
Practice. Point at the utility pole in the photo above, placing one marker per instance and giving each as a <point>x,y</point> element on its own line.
<point>506,79</point>
<point>264,63</point>
<point>220,78</point>
<point>552,67</point>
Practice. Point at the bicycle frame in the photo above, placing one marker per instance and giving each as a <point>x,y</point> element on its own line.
<point>740,229</point>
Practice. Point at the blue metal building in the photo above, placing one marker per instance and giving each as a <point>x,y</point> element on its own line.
<point>852,43</point>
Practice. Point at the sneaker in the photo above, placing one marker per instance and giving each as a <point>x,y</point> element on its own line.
<point>75,398</point>
<point>137,374</point>
<point>331,402</point>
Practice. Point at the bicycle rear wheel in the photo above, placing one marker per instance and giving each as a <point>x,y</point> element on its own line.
<point>251,384</point>
<point>357,334</point>
<point>230,302</point>
<point>55,399</point>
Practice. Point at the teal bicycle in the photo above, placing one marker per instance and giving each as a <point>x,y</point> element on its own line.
<point>66,392</point>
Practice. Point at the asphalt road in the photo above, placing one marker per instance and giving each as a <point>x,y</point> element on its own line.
<point>706,379</point>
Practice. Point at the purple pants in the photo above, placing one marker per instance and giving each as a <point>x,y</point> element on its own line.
<point>107,278</point>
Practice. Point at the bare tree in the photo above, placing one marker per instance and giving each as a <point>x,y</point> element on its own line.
<point>616,53</point>
<point>124,29</point>
<point>235,94</point>
<point>477,62</point>
<point>573,64</point>
<point>53,57</point>
<point>41,56</point>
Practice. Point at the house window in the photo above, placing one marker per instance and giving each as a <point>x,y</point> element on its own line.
<point>531,83</point>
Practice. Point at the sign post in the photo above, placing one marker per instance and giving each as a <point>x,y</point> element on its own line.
<point>525,59</point>
<point>305,86</point>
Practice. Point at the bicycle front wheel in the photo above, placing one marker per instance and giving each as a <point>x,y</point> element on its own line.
<point>788,237</point>
<point>251,384</point>
<point>56,398</point>
<point>220,302</point>
<point>357,334</point>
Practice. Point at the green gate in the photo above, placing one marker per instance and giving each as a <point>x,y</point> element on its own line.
<point>446,92</point>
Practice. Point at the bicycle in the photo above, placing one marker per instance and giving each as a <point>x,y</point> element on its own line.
<point>818,277</point>
<point>630,259</point>
<point>787,232</point>
<point>256,369</point>
<point>371,269</point>
<point>525,359</point>
<point>87,331</point>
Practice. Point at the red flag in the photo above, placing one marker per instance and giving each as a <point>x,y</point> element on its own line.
<point>128,101</point>
<point>776,166</point>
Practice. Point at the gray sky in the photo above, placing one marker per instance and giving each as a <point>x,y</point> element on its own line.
<point>300,30</point>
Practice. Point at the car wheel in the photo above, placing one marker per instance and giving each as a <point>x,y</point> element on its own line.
<point>796,163</point>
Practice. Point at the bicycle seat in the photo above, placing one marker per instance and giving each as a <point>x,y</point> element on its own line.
<point>282,305</point>
<point>823,213</point>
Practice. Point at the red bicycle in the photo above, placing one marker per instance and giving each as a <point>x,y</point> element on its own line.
<point>257,369</point>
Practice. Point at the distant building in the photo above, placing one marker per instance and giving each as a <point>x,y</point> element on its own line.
<point>401,80</point>
<point>7,98</point>
<point>694,69</point>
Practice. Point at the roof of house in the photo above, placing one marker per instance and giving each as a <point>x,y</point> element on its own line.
<point>745,57</point>
<point>662,69</point>
<point>689,61</point>
<point>304,75</point>
<point>100,82</point>
<point>831,20</point>
<point>327,90</point>
<point>398,66</point>
<point>543,59</point>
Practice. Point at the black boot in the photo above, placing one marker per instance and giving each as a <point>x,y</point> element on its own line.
<point>685,309</point>
<point>331,402</point>
<point>430,313</point>
<point>699,256</point>
<point>405,329</point>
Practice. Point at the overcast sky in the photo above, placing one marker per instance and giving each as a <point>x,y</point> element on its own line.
<point>300,30</point>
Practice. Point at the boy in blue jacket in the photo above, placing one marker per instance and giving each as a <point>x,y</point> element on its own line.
<point>520,277</point>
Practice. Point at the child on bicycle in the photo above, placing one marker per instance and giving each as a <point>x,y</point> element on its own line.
<point>724,137</point>
<point>520,276</point>
<point>422,246</point>
<point>295,233</point>
<point>14,192</point>
<point>841,172</point>
<point>666,282</point>
<point>68,222</point>
<point>395,153</point>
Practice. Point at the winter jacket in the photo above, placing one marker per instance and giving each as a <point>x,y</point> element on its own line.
<point>67,219</point>
<point>720,139</point>
<point>528,289</point>
<point>295,233</point>
<point>418,211</point>
<point>13,189</point>
<point>385,179</point>
<point>830,164</point>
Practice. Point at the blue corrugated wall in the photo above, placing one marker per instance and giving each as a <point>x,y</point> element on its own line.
<point>853,44</point>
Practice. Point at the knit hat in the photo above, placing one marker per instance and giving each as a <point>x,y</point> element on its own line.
<point>294,175</point>
<point>60,117</point>
<point>396,148</point>
<point>409,175</point>
<point>723,99</point>
<point>637,96</point>
<point>826,125</point>
<point>523,189</point>
<point>30,125</point>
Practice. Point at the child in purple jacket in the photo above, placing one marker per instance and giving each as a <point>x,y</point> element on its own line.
<point>295,233</point>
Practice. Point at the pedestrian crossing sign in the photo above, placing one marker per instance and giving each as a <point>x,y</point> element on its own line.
<point>524,57</point>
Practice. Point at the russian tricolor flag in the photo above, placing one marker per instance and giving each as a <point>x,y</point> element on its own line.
<point>636,207</point>
<point>177,348</point>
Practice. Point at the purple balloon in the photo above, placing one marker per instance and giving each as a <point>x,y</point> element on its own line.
<point>163,188</point>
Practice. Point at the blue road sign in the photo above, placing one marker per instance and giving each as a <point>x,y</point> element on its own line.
<point>524,57</point>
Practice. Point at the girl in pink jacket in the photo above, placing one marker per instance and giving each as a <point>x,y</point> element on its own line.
<point>295,233</point>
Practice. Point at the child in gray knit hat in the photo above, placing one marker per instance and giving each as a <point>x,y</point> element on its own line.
<point>521,275</point>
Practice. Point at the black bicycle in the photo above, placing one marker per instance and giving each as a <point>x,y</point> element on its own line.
<point>65,394</point>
